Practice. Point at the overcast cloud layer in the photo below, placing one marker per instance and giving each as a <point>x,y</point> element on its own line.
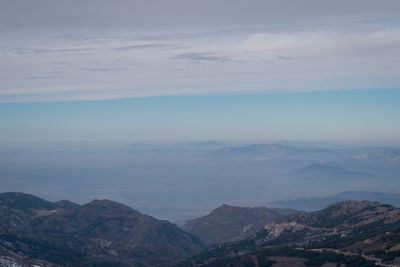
<point>85,50</point>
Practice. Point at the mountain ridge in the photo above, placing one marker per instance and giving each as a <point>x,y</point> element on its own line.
<point>99,232</point>
<point>23,201</point>
<point>349,233</point>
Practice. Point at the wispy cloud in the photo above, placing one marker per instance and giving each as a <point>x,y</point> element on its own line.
<point>235,61</point>
<point>49,50</point>
<point>136,47</point>
<point>100,69</point>
<point>44,77</point>
<point>201,57</point>
<point>284,58</point>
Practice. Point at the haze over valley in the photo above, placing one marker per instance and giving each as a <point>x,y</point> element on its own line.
<point>176,180</point>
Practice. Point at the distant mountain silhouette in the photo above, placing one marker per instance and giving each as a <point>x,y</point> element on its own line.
<point>201,144</point>
<point>270,150</point>
<point>323,168</point>
<point>390,156</point>
<point>184,145</point>
<point>327,171</point>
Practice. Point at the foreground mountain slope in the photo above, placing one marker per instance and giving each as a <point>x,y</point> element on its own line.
<point>366,231</point>
<point>102,233</point>
<point>228,223</point>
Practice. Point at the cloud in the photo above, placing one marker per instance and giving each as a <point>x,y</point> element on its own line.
<point>47,50</point>
<point>136,47</point>
<point>201,57</point>
<point>161,15</point>
<point>284,58</point>
<point>44,77</point>
<point>244,60</point>
<point>99,69</point>
<point>59,63</point>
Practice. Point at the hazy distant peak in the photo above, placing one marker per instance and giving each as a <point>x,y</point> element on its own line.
<point>323,167</point>
<point>256,148</point>
<point>391,156</point>
<point>269,151</point>
<point>202,144</point>
<point>321,170</point>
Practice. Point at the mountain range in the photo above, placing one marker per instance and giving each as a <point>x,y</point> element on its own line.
<point>36,232</point>
<point>268,151</point>
<point>99,233</point>
<point>347,233</point>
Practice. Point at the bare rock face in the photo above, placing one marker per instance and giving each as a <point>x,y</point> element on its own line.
<point>229,223</point>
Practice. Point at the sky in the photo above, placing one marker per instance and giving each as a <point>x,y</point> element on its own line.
<point>185,69</point>
<point>360,116</point>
